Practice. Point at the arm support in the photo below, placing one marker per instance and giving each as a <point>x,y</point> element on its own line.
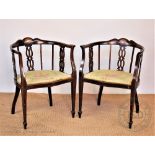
<point>22,75</point>
<point>137,70</point>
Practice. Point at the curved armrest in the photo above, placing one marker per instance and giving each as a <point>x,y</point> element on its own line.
<point>22,75</point>
<point>37,40</point>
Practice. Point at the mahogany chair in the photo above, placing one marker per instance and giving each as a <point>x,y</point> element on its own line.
<point>36,76</point>
<point>118,74</point>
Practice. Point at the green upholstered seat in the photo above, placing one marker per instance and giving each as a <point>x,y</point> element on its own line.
<point>110,76</point>
<point>44,77</point>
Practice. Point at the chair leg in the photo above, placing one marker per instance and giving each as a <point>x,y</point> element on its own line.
<point>24,104</point>
<point>50,96</point>
<point>136,102</point>
<point>132,100</point>
<point>80,96</point>
<point>99,95</point>
<point>73,96</point>
<point>15,100</point>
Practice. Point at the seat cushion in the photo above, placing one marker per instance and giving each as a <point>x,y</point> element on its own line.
<point>110,76</point>
<point>44,77</point>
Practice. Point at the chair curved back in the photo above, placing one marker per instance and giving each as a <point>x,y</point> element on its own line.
<point>27,45</point>
<point>117,79</point>
<point>122,50</point>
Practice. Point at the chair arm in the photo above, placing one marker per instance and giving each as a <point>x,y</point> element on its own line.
<point>22,75</point>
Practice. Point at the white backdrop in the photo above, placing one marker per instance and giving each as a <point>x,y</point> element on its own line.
<point>78,32</point>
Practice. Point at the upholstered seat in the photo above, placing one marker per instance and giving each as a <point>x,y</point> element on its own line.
<point>44,77</point>
<point>110,76</point>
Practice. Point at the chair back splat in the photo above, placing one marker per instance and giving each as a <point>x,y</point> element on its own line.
<point>30,43</point>
<point>123,45</point>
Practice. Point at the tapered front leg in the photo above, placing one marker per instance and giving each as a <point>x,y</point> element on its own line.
<point>73,96</point>
<point>132,100</point>
<point>15,100</point>
<point>24,104</point>
<point>136,102</point>
<point>99,95</point>
<point>50,96</point>
<point>81,83</point>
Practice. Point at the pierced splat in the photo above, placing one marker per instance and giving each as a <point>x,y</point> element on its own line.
<point>91,59</point>
<point>61,62</point>
<point>121,58</point>
<point>29,55</point>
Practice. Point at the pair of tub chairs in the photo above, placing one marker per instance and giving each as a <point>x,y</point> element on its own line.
<point>36,76</point>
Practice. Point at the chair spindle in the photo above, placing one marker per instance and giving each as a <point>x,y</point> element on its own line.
<point>99,50</point>
<point>41,60</point>
<point>52,57</point>
<point>133,50</point>
<point>110,57</point>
